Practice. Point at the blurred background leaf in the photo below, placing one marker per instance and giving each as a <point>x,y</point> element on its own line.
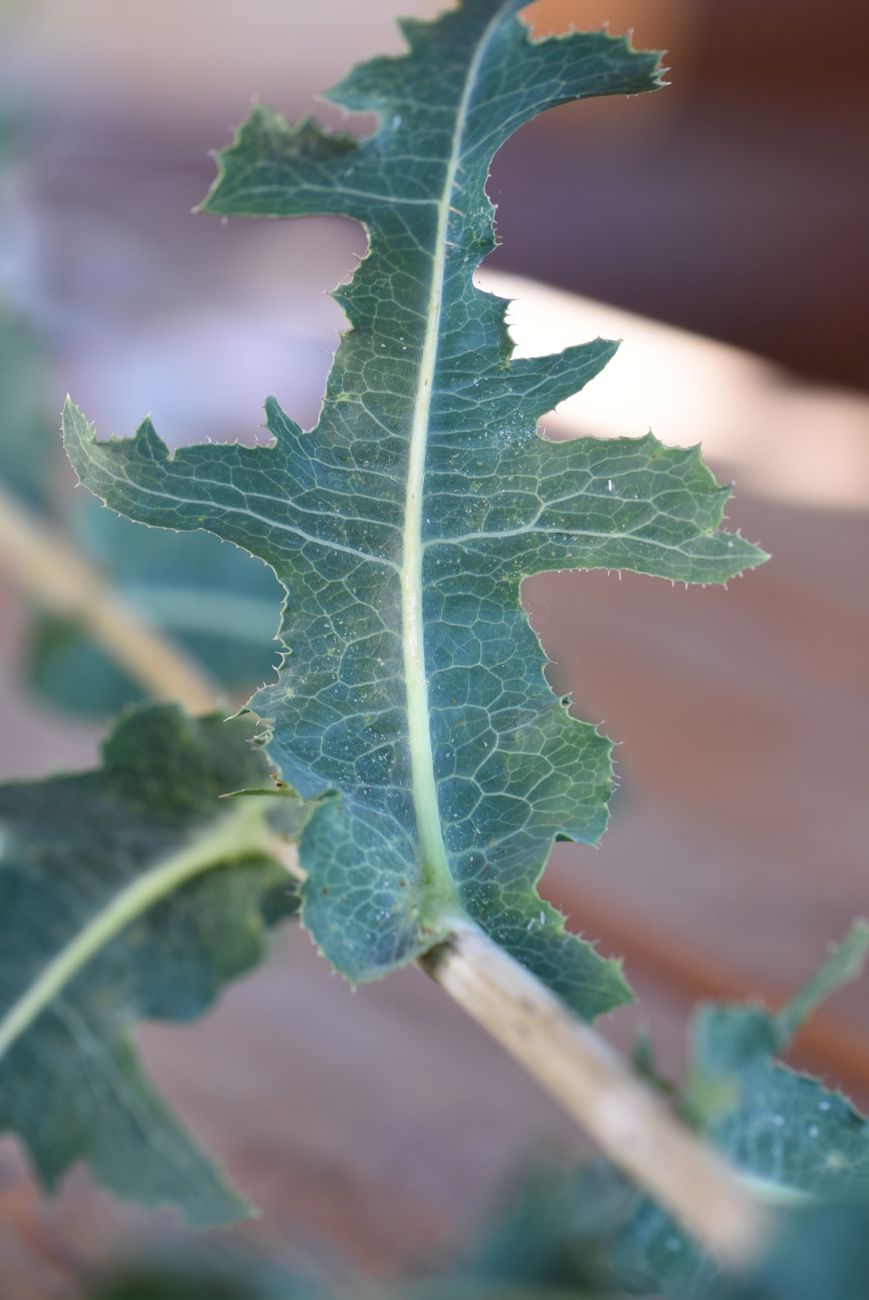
<point>797,1142</point>
<point>213,600</point>
<point>28,439</point>
<point>127,893</point>
<point>216,602</point>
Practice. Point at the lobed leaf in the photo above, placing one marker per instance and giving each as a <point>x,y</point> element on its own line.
<point>401,527</point>
<point>126,893</point>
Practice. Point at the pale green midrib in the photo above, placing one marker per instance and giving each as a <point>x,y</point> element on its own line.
<point>241,832</point>
<point>435,865</point>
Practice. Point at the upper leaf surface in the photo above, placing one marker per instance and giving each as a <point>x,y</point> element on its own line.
<point>128,892</point>
<point>403,524</point>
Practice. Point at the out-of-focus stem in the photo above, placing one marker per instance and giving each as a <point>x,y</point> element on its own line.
<point>628,1121</point>
<point>53,574</point>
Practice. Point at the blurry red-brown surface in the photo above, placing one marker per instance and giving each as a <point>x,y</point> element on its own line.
<point>731,205</point>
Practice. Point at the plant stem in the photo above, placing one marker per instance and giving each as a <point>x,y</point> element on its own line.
<point>45,565</point>
<point>595,1086</point>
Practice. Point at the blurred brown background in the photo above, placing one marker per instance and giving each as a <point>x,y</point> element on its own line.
<point>734,204</point>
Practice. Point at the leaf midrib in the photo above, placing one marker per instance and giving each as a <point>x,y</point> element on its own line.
<point>437,879</point>
<point>241,832</point>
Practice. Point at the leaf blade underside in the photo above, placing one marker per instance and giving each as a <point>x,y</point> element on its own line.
<point>402,526</point>
<point>128,892</point>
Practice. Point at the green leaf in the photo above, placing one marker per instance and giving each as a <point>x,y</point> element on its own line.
<point>126,893</point>
<point>823,1254</point>
<point>795,1141</point>
<point>204,1277</point>
<point>843,966</point>
<point>402,526</point>
<point>540,1246</point>
<point>221,1281</point>
<point>552,1233</point>
<point>215,602</point>
<point>735,1086</point>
